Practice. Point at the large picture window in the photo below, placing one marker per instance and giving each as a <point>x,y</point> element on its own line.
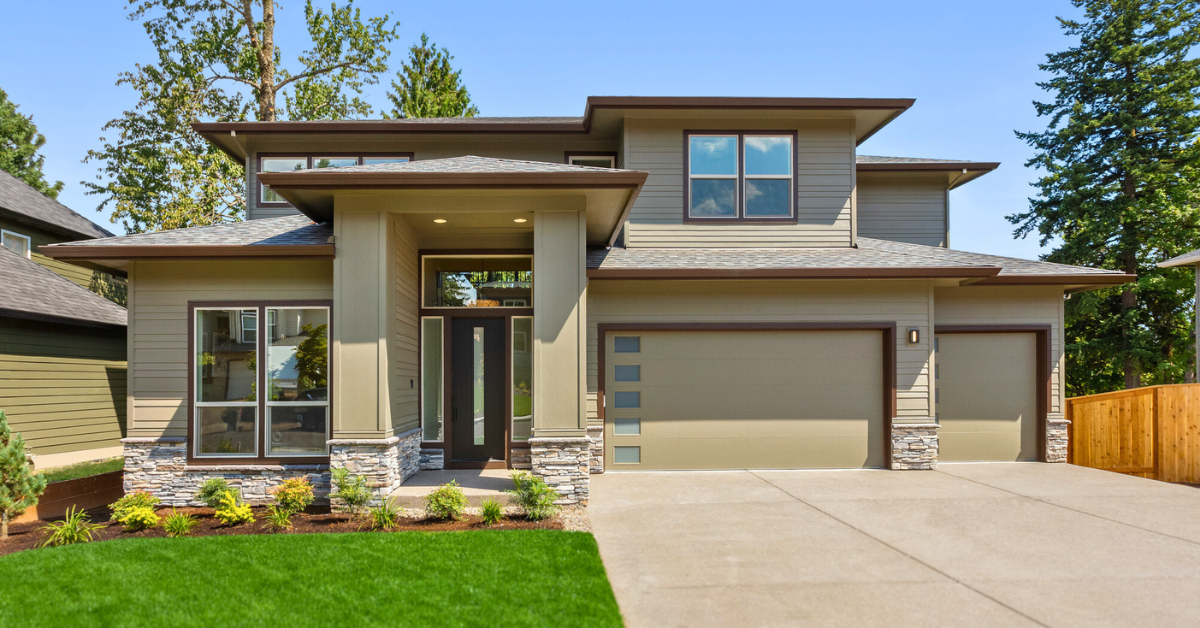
<point>290,163</point>
<point>245,406</point>
<point>740,177</point>
<point>477,281</point>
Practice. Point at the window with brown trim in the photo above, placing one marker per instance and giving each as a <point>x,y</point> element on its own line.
<point>291,162</point>
<point>260,396</point>
<point>594,160</point>
<point>740,176</point>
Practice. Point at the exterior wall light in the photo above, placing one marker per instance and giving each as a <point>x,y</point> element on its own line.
<point>914,335</point>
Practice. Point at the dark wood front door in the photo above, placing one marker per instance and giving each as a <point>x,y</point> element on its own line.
<point>477,411</point>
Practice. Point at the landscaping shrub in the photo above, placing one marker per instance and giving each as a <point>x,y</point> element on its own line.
<point>76,527</point>
<point>278,518</point>
<point>138,518</point>
<point>179,524</point>
<point>213,490</point>
<point>492,511</point>
<point>385,516</point>
<point>19,485</point>
<point>352,491</point>
<point>232,510</point>
<point>294,495</point>
<point>533,496</point>
<point>446,502</point>
<point>129,501</point>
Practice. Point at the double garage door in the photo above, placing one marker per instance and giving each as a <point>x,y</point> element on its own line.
<point>787,399</point>
<point>744,399</point>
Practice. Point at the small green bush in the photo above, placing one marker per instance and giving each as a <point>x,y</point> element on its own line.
<point>352,491</point>
<point>130,501</point>
<point>75,528</point>
<point>232,511</point>
<point>213,490</point>
<point>492,511</point>
<point>385,516</point>
<point>446,502</point>
<point>139,518</point>
<point>179,524</point>
<point>277,519</point>
<point>533,496</point>
<point>294,495</point>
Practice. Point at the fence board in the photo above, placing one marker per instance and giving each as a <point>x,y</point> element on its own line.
<point>1149,432</point>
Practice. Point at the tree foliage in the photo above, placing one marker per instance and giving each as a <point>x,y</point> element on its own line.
<point>217,60</point>
<point>427,86</point>
<point>19,146</point>
<point>1120,183</point>
<point>19,485</point>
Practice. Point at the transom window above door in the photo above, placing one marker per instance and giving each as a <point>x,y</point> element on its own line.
<point>289,163</point>
<point>740,177</point>
<point>477,281</point>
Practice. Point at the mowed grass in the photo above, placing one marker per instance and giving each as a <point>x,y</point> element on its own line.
<point>476,578</point>
<point>84,470</point>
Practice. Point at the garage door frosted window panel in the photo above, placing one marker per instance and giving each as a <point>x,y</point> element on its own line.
<point>226,370</point>
<point>627,399</point>
<point>627,455</point>
<point>627,344</point>
<point>627,373</point>
<point>298,381</point>
<point>627,427</point>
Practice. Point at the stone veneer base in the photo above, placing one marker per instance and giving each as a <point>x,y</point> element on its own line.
<point>563,463</point>
<point>385,462</point>
<point>596,436</point>
<point>914,446</point>
<point>433,459</point>
<point>1057,435</point>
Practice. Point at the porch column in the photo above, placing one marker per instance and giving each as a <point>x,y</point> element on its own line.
<point>559,449</point>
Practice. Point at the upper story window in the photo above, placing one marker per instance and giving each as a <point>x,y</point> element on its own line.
<point>17,243</point>
<point>289,163</point>
<point>745,177</point>
<point>477,281</point>
<point>594,160</point>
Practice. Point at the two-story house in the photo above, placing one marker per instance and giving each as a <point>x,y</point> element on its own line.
<point>662,283</point>
<point>62,334</point>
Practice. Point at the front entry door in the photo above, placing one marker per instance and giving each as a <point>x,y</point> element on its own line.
<point>477,410</point>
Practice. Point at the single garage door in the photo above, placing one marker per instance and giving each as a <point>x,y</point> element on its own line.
<point>744,399</point>
<point>987,396</point>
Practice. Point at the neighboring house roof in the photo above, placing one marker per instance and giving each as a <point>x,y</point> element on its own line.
<point>33,292</point>
<point>1187,259</point>
<point>24,204</point>
<point>872,259</point>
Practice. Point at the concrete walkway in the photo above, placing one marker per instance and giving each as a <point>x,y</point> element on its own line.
<point>476,484</point>
<point>967,545</point>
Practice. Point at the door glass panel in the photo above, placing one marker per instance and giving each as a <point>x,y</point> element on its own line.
<point>478,381</point>
<point>431,379</point>
<point>522,374</point>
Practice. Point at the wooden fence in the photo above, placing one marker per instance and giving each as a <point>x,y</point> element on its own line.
<point>1151,432</point>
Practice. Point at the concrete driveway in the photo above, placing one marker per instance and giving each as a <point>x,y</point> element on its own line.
<point>967,545</point>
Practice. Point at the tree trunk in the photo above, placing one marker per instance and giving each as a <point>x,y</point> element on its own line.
<point>1130,242</point>
<point>264,48</point>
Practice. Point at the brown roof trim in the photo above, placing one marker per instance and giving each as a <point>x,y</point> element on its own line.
<point>59,320</point>
<point>310,180</point>
<point>935,166</point>
<point>740,102</point>
<point>792,273</point>
<point>398,126</point>
<point>1057,280</point>
<point>236,251</point>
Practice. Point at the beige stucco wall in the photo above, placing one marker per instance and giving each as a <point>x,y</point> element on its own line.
<point>560,299</point>
<point>907,207</point>
<point>159,326</point>
<point>908,303</point>
<point>824,171</point>
<point>1009,305</point>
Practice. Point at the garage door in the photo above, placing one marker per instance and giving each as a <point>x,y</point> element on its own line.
<point>987,396</point>
<point>743,399</point>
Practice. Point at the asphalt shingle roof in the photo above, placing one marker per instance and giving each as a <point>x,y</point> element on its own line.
<point>33,290</point>
<point>286,230</point>
<point>469,164</point>
<point>18,198</point>
<point>879,159</point>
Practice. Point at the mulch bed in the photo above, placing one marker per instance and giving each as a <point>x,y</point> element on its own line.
<point>29,535</point>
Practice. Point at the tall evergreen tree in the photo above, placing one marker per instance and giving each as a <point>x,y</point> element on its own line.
<point>19,146</point>
<point>429,87</point>
<point>1120,184</point>
<point>217,60</point>
<point>19,485</point>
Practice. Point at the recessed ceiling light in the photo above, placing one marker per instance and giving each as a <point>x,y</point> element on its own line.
<point>439,220</point>
<point>518,220</point>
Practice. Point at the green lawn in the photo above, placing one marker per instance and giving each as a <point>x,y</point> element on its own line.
<point>84,470</point>
<point>478,578</point>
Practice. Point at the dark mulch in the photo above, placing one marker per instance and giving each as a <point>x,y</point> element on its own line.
<point>29,535</point>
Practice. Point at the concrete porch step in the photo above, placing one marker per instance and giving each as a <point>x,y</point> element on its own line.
<point>477,484</point>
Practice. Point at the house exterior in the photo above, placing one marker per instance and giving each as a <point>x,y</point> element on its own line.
<point>62,334</point>
<point>662,283</point>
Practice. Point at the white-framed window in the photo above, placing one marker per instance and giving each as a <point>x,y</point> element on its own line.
<point>740,176</point>
<point>290,163</point>
<point>260,396</point>
<point>432,378</point>
<point>522,378</point>
<point>17,243</point>
<point>594,161</point>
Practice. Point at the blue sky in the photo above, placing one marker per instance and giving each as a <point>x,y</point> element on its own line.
<point>970,65</point>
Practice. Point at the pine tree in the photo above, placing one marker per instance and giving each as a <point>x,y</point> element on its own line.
<point>429,87</point>
<point>1120,185</point>
<point>19,146</point>
<point>19,485</point>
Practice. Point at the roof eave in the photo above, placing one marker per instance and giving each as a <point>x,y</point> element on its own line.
<point>61,320</point>
<point>83,252</point>
<point>961,272</point>
<point>42,225</point>
<point>1187,259</point>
